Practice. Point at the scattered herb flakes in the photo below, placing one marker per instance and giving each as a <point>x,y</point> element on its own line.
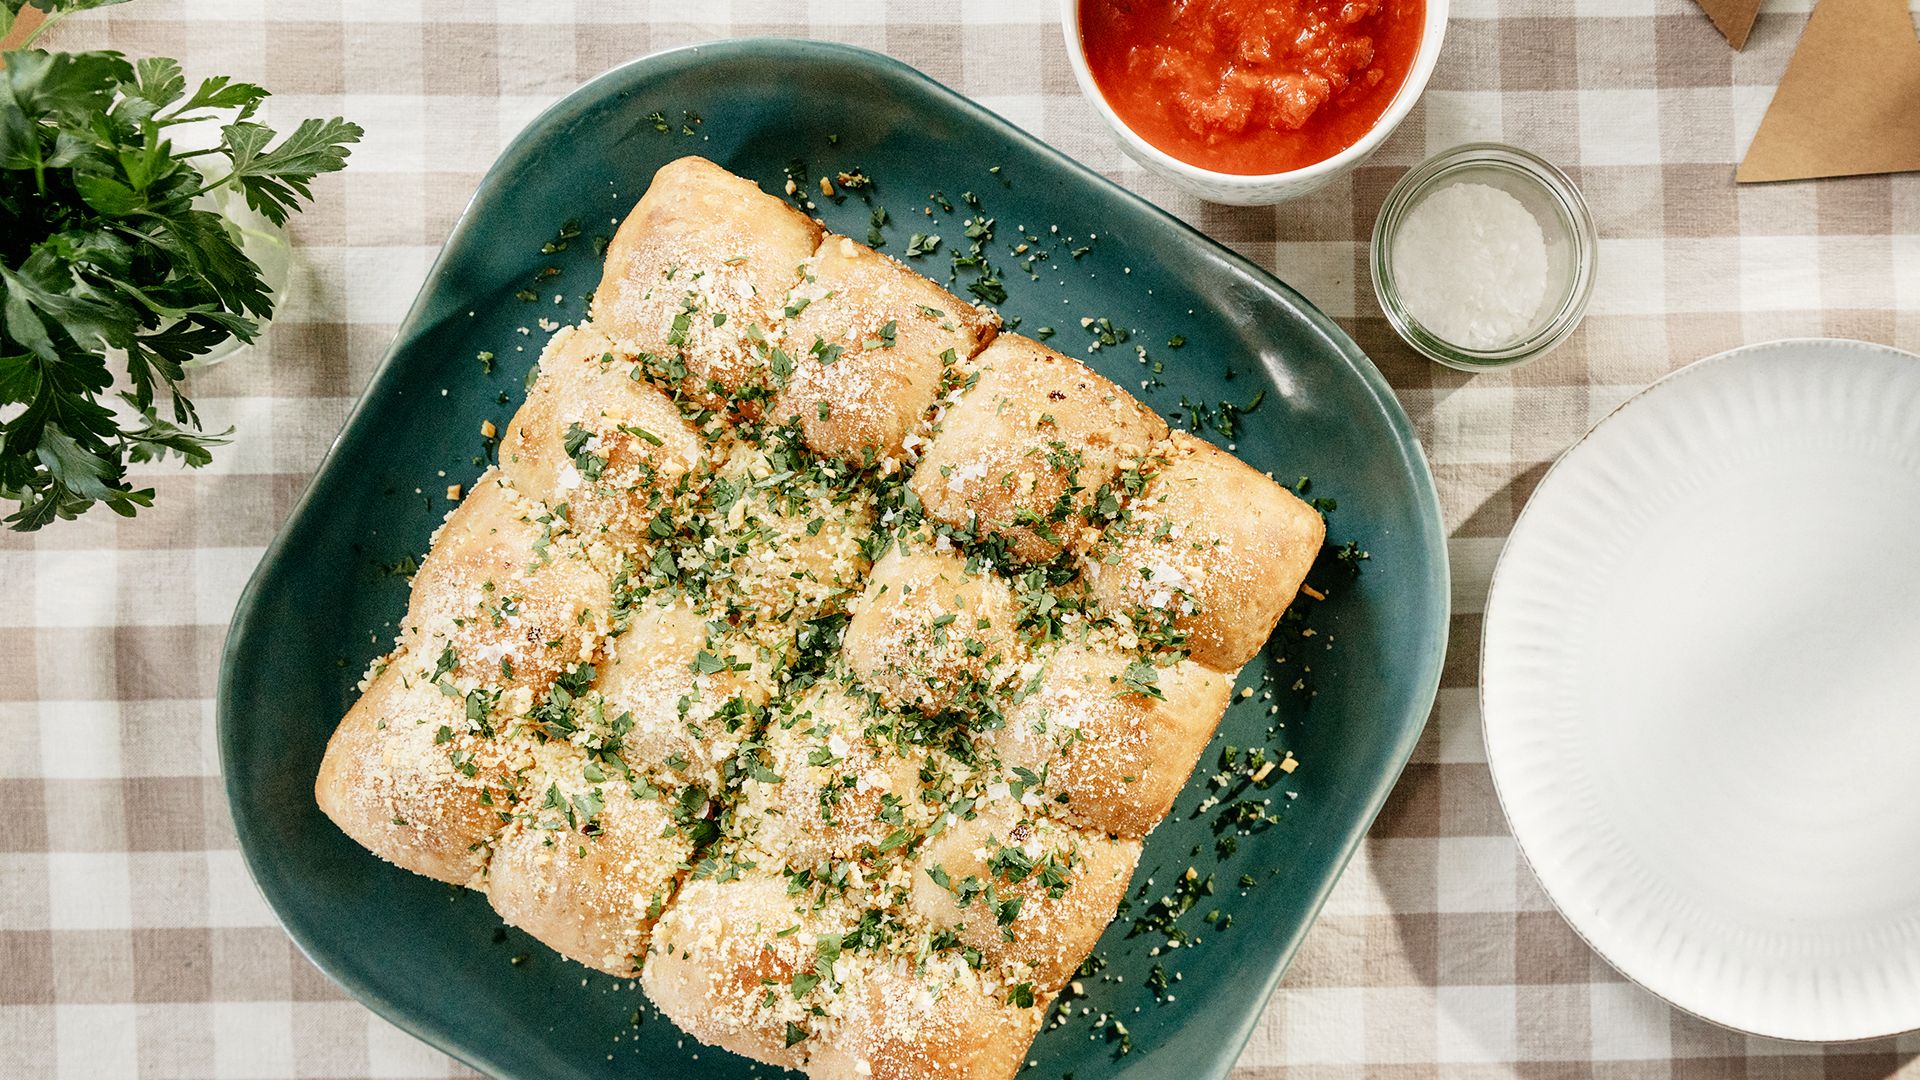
<point>689,122</point>
<point>1105,334</point>
<point>1162,916</point>
<point>1350,556</point>
<point>988,287</point>
<point>1141,677</point>
<point>883,340</point>
<point>568,233</point>
<point>797,182</point>
<point>1221,417</point>
<point>922,244</point>
<point>1157,981</point>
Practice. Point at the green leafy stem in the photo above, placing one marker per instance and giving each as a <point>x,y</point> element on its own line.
<point>114,273</point>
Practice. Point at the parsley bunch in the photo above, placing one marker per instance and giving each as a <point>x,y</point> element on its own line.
<point>113,273</point>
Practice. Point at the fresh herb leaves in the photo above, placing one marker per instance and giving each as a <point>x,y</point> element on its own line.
<point>113,274</point>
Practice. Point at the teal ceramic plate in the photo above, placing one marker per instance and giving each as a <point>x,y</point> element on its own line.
<point>435,960</point>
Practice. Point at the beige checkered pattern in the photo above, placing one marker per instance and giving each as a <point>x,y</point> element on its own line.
<point>132,943</point>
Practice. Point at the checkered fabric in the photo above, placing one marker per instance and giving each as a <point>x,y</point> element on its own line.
<point>131,941</point>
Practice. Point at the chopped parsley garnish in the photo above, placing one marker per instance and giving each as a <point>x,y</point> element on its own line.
<point>884,339</point>
<point>1105,334</point>
<point>988,287</point>
<point>1141,677</point>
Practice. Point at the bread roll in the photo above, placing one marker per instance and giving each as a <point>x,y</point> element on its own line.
<point>1113,756</point>
<point>866,349</point>
<point>499,601</point>
<point>941,1020</point>
<point>692,694</point>
<point>1031,451</point>
<point>1023,889</point>
<point>396,776</point>
<point>788,535</point>
<point>587,866</point>
<point>927,631</point>
<point>702,266</point>
<point>593,438</point>
<point>832,783</point>
<point>1211,547</point>
<point>724,959</point>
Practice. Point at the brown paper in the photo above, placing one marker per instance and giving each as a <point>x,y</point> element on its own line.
<point>1733,18</point>
<point>1850,101</point>
<point>23,24</point>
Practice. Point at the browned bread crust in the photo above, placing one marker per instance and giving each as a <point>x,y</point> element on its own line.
<point>1032,448</point>
<point>869,348</point>
<point>1213,545</point>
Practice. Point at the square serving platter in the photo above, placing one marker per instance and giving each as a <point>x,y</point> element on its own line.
<point>330,591</point>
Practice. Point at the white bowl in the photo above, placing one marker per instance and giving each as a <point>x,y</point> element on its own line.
<point>1266,188</point>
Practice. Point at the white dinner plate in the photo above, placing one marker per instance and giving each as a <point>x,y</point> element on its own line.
<point>1701,688</point>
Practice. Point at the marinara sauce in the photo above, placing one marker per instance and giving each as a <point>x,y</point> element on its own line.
<point>1250,86</point>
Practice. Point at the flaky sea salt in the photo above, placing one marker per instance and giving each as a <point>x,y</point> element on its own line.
<point>1470,265</point>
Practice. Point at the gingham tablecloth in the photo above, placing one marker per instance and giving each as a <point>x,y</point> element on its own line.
<point>132,943</point>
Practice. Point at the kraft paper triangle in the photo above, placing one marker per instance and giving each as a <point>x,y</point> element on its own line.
<point>1850,101</point>
<point>1733,18</point>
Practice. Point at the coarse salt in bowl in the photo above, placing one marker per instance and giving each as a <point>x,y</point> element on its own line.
<point>1260,189</point>
<point>1483,257</point>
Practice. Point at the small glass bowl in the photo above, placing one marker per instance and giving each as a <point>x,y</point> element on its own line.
<point>1572,248</point>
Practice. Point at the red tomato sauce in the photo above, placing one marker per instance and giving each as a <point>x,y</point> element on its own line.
<point>1251,86</point>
